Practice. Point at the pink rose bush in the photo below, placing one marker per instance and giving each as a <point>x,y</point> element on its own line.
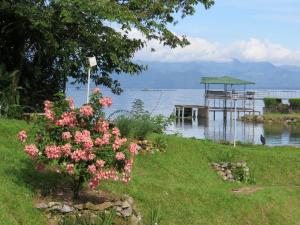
<point>81,143</point>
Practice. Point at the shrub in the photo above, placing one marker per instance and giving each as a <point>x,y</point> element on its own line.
<point>160,123</point>
<point>272,102</point>
<point>139,123</point>
<point>294,103</point>
<point>160,143</point>
<point>124,123</point>
<point>141,127</point>
<point>79,143</point>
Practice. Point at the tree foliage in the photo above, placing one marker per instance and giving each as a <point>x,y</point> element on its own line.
<point>47,41</point>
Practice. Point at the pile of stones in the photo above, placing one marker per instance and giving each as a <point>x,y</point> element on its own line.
<point>232,172</point>
<point>57,211</point>
<point>145,146</point>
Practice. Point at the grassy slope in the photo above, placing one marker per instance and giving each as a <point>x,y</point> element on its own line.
<point>16,206</point>
<point>179,181</point>
<point>189,192</point>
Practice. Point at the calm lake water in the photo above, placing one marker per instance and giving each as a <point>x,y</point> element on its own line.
<point>163,101</point>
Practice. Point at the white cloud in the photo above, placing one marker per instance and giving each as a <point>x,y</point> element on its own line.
<point>201,49</point>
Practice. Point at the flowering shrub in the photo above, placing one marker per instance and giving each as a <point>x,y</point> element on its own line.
<point>80,143</point>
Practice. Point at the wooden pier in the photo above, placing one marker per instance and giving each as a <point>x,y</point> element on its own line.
<point>221,100</point>
<point>200,111</point>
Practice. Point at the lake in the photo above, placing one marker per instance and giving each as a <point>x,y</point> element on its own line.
<point>163,101</point>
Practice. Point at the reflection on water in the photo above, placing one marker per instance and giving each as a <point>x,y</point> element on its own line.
<point>163,101</point>
<point>219,129</point>
<point>223,130</point>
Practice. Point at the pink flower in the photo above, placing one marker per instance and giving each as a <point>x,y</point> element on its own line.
<point>94,183</point>
<point>118,143</point>
<point>106,101</point>
<point>98,142</point>
<point>80,154</point>
<point>120,156</point>
<point>106,137</point>
<point>66,149</point>
<point>88,144</point>
<point>49,115</point>
<point>128,165</point>
<point>133,148</point>
<point>104,127</point>
<point>22,136</point>
<point>48,105</point>
<point>126,178</point>
<point>115,131</point>
<point>78,137</point>
<point>66,136</point>
<point>71,102</point>
<point>53,151</point>
<point>86,110</point>
<point>70,168</point>
<point>86,133</point>
<point>48,112</point>
<point>31,150</point>
<point>96,90</point>
<point>92,169</point>
<point>67,119</point>
<point>100,163</point>
<point>90,157</point>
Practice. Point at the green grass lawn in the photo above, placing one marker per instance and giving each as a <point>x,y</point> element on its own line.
<point>179,182</point>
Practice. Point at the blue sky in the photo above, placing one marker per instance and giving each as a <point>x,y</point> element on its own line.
<point>256,30</point>
<point>232,20</point>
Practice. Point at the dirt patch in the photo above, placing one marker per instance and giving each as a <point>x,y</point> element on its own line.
<point>246,190</point>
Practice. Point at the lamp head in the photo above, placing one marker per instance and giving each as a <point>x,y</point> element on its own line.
<point>91,61</point>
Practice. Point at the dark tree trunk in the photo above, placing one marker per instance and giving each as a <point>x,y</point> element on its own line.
<point>77,186</point>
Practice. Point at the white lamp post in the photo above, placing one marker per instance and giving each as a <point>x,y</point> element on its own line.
<point>91,63</point>
<point>234,137</point>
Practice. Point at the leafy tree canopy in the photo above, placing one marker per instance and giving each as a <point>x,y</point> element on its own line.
<point>47,41</point>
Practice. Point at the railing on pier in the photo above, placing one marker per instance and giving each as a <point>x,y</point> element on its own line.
<point>212,94</point>
<point>282,94</point>
<point>257,95</point>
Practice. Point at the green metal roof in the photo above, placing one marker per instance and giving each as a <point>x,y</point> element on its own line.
<point>224,80</point>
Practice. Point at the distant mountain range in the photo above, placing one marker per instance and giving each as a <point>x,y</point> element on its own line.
<point>188,75</point>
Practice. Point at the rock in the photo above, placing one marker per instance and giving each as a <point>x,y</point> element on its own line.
<point>230,177</point>
<point>125,205</point>
<point>227,172</point>
<point>99,207</point>
<point>118,203</point>
<point>67,209</point>
<point>119,209</point>
<point>221,173</point>
<point>134,220</point>
<point>90,206</point>
<point>51,204</point>
<point>56,208</point>
<point>127,212</point>
<point>41,205</point>
<point>103,206</point>
<point>79,206</point>
<point>130,200</point>
<point>224,165</point>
